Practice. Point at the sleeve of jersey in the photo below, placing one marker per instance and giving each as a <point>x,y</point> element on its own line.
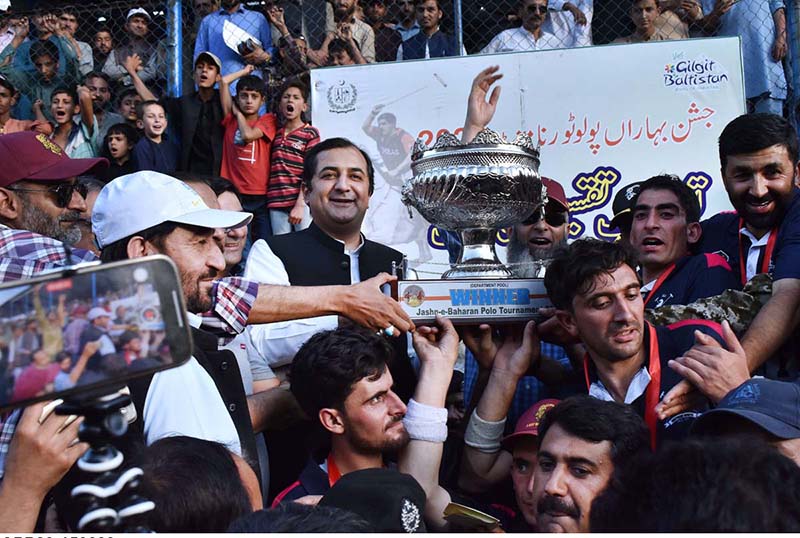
<point>267,125</point>
<point>684,331</point>
<point>787,250</point>
<point>712,277</point>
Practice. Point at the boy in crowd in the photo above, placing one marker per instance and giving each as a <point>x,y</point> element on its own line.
<point>340,53</point>
<point>127,106</point>
<point>644,14</point>
<point>154,151</point>
<point>285,201</point>
<point>77,139</point>
<point>196,116</point>
<point>247,144</point>
<point>118,147</point>
<point>45,55</point>
<point>8,125</point>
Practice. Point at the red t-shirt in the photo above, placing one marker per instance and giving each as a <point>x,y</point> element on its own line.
<point>247,165</point>
<point>33,380</point>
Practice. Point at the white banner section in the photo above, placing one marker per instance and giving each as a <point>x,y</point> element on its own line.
<point>603,116</point>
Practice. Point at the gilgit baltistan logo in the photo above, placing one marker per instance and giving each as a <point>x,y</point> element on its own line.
<point>701,73</point>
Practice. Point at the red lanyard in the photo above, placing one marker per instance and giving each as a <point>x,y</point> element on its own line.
<point>773,238</point>
<point>660,280</point>
<point>333,471</point>
<point>653,388</point>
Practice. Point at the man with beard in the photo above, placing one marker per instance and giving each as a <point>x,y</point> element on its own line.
<point>102,45</point>
<point>342,380</point>
<point>582,441</point>
<point>98,85</point>
<point>387,39</point>
<point>346,26</point>
<point>664,233</point>
<point>596,291</point>
<point>759,158</point>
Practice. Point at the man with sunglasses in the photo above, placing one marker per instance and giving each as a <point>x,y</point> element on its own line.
<point>533,33</point>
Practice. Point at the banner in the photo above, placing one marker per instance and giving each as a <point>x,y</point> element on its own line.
<point>604,117</point>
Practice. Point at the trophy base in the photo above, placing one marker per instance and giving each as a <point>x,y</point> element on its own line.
<point>475,271</point>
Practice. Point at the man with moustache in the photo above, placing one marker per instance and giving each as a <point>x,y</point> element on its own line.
<point>581,441</point>
<point>596,291</point>
<point>98,85</point>
<point>664,233</point>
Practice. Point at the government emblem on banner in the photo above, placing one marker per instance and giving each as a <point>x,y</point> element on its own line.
<point>342,97</point>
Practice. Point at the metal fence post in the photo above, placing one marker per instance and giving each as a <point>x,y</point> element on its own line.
<point>174,48</point>
<point>458,26</point>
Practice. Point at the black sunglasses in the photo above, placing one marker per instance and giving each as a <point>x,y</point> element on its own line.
<point>537,9</point>
<point>553,218</point>
<point>63,192</point>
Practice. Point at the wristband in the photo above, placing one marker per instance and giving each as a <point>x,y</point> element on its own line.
<point>484,435</point>
<point>425,422</point>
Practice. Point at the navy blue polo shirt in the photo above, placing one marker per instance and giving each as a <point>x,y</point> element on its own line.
<point>693,278</point>
<point>672,342</point>
<point>721,235</point>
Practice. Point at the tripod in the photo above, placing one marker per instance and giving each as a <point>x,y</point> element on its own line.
<point>109,500</point>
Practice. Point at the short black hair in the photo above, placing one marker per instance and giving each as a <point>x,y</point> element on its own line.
<point>118,250</point>
<point>252,83</point>
<point>125,130</point>
<point>130,92</point>
<point>574,268</point>
<point>194,484</point>
<point>330,363</point>
<point>296,517</point>
<point>41,48</point>
<point>5,83</point>
<point>339,45</point>
<point>295,83</point>
<point>595,420</point>
<point>753,132</point>
<point>312,155</point>
<point>67,10</point>
<point>220,185</point>
<point>714,485</point>
<point>105,29</point>
<point>98,74</point>
<point>67,90</point>
<point>686,196</point>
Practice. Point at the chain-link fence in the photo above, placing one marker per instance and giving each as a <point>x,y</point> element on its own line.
<point>286,38</point>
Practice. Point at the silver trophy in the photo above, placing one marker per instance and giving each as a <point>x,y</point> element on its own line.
<point>475,189</point>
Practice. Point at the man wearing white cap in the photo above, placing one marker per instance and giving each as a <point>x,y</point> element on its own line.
<point>137,26</point>
<point>99,319</point>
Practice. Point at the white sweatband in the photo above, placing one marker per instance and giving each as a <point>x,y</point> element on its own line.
<point>484,435</point>
<point>425,422</point>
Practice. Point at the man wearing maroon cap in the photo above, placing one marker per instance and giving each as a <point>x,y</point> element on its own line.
<point>40,205</point>
<point>488,457</point>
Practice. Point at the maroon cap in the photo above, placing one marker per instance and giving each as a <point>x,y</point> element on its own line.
<point>34,157</point>
<point>555,192</point>
<point>528,423</point>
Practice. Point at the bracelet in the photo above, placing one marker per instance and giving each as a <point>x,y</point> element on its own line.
<point>425,422</point>
<point>484,435</point>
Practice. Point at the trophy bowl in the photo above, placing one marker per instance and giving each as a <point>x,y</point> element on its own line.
<point>475,189</point>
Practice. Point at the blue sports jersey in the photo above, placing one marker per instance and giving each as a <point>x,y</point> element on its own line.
<point>672,341</point>
<point>721,236</point>
<point>692,278</point>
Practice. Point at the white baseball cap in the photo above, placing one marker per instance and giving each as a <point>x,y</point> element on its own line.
<point>98,312</point>
<point>138,201</point>
<point>138,11</point>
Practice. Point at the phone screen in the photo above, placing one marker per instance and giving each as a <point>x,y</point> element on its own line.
<point>96,327</point>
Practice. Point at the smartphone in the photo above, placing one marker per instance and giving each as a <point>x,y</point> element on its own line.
<point>76,332</point>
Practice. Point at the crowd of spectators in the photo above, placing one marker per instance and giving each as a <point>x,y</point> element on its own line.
<point>312,402</point>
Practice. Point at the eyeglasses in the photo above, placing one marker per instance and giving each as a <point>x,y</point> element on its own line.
<point>63,192</point>
<point>552,218</point>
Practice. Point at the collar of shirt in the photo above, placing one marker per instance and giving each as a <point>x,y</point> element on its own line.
<point>637,387</point>
<point>754,252</point>
<point>194,320</point>
<point>355,268</point>
<point>223,11</point>
<point>647,287</point>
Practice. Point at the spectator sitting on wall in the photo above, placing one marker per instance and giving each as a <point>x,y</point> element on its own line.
<point>47,28</point>
<point>139,43</point>
<point>530,35</point>
<point>644,14</point>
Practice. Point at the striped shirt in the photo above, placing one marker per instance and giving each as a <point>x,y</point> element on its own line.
<point>286,167</point>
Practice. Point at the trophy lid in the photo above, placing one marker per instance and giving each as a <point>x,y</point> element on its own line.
<point>486,138</point>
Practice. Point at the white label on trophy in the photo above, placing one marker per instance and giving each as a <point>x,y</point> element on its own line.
<point>470,301</point>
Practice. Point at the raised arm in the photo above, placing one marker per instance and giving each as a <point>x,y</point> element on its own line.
<point>133,64</point>
<point>426,418</point>
<point>87,108</point>
<point>480,111</point>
